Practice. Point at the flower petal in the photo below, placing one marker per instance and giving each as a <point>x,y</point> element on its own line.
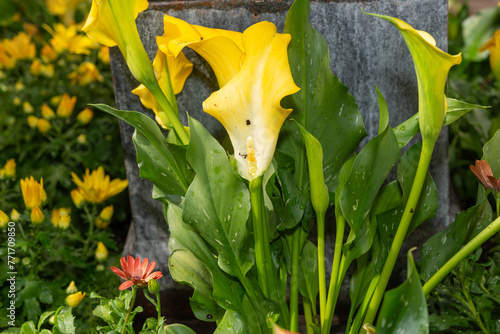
<point>249,105</point>
<point>125,285</point>
<point>119,272</point>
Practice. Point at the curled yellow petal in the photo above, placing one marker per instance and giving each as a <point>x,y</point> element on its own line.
<point>249,104</point>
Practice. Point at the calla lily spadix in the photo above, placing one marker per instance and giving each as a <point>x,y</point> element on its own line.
<point>222,49</point>
<point>248,105</point>
<point>432,66</point>
<point>170,71</point>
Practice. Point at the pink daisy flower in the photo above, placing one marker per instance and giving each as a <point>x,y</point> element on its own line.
<point>135,272</point>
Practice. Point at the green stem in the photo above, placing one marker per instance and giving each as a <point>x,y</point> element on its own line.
<point>475,243</point>
<point>308,315</point>
<point>263,259</point>
<point>334,278</point>
<point>321,266</point>
<point>497,200</point>
<point>416,189</point>
<point>294,280</point>
<point>90,218</point>
<point>132,302</point>
<point>158,309</point>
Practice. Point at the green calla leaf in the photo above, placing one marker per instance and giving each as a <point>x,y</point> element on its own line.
<point>383,111</point>
<point>323,106</point>
<point>226,291</point>
<point>217,202</point>
<point>457,109</point>
<point>309,280</point>
<point>404,308</point>
<point>154,167</point>
<point>173,157</point>
<point>178,329</point>
<point>369,171</point>
<point>388,221</point>
<point>187,269</point>
<point>491,154</point>
<point>231,323</point>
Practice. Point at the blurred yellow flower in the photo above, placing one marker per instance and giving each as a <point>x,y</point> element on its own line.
<point>20,47</point>
<point>47,70</point>
<point>96,187</point>
<point>104,54</point>
<point>6,61</point>
<point>43,125</point>
<point>82,138</point>
<point>15,215</point>
<point>71,288</point>
<point>101,253</point>
<point>48,54</point>
<point>85,116</point>
<point>9,169</point>
<point>17,101</point>
<point>4,219</point>
<point>493,45</point>
<point>74,299</point>
<point>61,217</point>
<point>47,112</point>
<point>66,106</point>
<point>35,67</point>
<point>67,39</point>
<point>170,71</point>
<point>101,224</point>
<point>107,213</point>
<point>37,216</point>
<point>86,73</point>
<point>19,86</point>
<point>77,198</point>
<point>55,100</point>
<point>27,107</point>
<point>33,193</point>
<point>65,9</point>
<point>32,120</point>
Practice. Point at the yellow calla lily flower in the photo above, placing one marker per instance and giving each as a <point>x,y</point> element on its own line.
<point>493,45</point>
<point>249,104</point>
<point>169,71</point>
<point>432,66</point>
<point>222,49</point>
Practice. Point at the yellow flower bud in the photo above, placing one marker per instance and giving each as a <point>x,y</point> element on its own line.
<point>47,70</point>
<point>54,101</point>
<point>71,288</point>
<point>32,120</point>
<point>37,216</point>
<point>48,54</point>
<point>104,54</point>
<point>10,169</point>
<point>27,107</point>
<point>107,213</point>
<point>15,215</point>
<point>43,125</point>
<point>64,221</point>
<point>85,116</point>
<point>77,198</point>
<point>19,86</point>
<point>101,224</point>
<point>66,106</point>
<point>75,299</point>
<point>4,219</point>
<point>17,101</point>
<point>33,193</point>
<point>82,138</point>
<point>47,112</point>
<point>35,67</point>
<point>101,252</point>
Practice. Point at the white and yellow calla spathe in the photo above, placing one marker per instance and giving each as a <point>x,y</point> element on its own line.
<point>431,66</point>
<point>248,105</point>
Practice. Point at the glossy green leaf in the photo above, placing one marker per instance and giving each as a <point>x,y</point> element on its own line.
<point>173,157</point>
<point>457,109</point>
<point>404,308</point>
<point>369,171</point>
<point>388,221</point>
<point>187,269</point>
<point>64,320</point>
<point>178,329</point>
<point>383,112</point>
<point>154,167</point>
<point>227,291</point>
<point>491,154</point>
<point>323,106</point>
<point>43,317</point>
<point>443,245</point>
<point>231,323</point>
<point>217,202</point>
<point>28,328</point>
<point>309,280</point>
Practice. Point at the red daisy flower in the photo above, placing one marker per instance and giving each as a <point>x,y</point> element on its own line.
<point>135,272</point>
<point>483,172</point>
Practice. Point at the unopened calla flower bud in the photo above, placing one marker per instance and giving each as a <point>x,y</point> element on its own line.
<point>75,299</point>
